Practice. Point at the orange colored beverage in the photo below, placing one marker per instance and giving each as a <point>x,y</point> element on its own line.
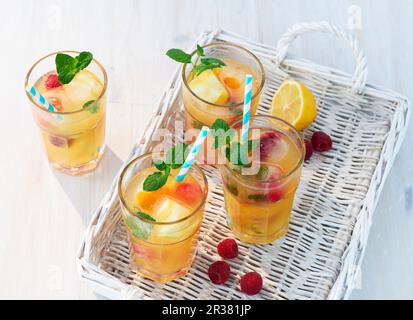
<point>259,205</point>
<point>162,225</point>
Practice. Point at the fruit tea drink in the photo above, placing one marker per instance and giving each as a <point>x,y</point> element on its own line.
<point>219,92</point>
<point>259,206</point>
<point>74,133</point>
<point>162,225</point>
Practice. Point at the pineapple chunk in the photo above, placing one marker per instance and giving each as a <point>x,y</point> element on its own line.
<point>208,87</point>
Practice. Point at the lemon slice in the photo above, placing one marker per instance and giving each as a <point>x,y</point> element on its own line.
<point>294,103</point>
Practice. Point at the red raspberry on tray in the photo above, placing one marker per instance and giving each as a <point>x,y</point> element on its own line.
<point>218,272</point>
<point>52,81</point>
<point>321,141</point>
<point>251,283</point>
<point>228,249</point>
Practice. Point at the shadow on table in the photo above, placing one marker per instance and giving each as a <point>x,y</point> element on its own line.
<point>86,192</point>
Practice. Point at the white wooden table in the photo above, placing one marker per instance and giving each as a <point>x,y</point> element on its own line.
<point>44,214</point>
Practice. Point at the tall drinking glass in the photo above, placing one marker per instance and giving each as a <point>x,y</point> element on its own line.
<point>73,133</point>
<point>259,205</point>
<point>162,225</point>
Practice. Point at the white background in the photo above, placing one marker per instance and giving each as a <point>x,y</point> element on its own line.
<point>44,214</point>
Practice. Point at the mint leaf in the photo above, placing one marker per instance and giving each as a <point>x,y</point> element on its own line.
<point>94,108</point>
<point>155,181</point>
<point>179,55</point>
<point>198,69</point>
<point>213,62</point>
<point>257,197</point>
<point>207,64</point>
<point>176,156</point>
<point>200,51</point>
<point>139,228</point>
<point>84,59</point>
<point>160,165</point>
<point>67,67</point>
<point>174,159</point>
<point>201,65</point>
<point>144,215</point>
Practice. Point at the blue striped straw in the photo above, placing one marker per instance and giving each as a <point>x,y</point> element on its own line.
<point>192,154</point>
<point>247,109</point>
<point>42,100</point>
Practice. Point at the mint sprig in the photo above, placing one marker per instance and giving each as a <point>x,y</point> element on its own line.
<point>67,66</point>
<point>175,158</point>
<point>144,216</point>
<point>234,151</point>
<point>202,63</point>
<point>258,197</point>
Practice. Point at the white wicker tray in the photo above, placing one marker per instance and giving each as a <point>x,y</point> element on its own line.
<point>322,252</point>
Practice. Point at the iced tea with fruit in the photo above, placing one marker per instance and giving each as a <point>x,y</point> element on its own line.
<point>162,225</point>
<point>259,205</point>
<point>74,131</point>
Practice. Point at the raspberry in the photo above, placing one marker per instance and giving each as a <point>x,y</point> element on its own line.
<point>251,283</point>
<point>267,143</point>
<point>308,149</point>
<point>189,192</point>
<point>218,272</point>
<point>274,186</point>
<point>52,81</point>
<point>228,249</point>
<point>274,196</point>
<point>321,141</point>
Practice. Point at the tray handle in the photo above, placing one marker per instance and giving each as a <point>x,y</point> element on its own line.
<point>359,75</point>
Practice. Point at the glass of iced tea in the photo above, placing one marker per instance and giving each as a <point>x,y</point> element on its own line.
<point>259,205</point>
<point>73,131</point>
<point>162,225</point>
<point>219,92</point>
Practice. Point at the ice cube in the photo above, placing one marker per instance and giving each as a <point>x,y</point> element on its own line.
<point>232,77</point>
<point>279,151</point>
<point>168,210</point>
<point>208,87</point>
<point>83,88</point>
